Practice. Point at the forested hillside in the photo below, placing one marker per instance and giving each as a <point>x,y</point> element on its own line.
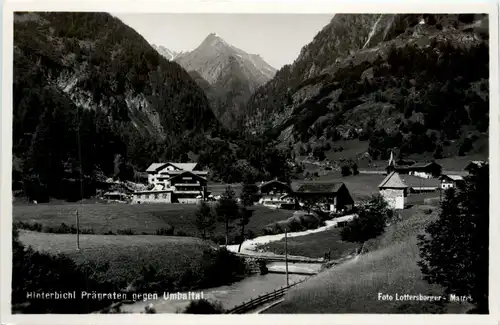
<point>418,83</point>
<point>92,99</point>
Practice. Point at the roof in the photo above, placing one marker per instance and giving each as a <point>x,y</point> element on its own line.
<point>416,165</point>
<point>154,166</point>
<point>423,165</point>
<point>274,181</point>
<point>393,181</point>
<point>477,163</point>
<point>115,193</point>
<point>183,166</point>
<point>178,172</point>
<point>319,187</point>
<point>453,177</point>
<point>419,182</point>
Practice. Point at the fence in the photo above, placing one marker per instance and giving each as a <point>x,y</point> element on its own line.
<point>260,300</point>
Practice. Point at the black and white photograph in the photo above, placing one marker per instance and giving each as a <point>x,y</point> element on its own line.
<point>249,163</point>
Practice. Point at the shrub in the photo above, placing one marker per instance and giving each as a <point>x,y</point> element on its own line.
<point>218,239</point>
<point>369,223</point>
<point>204,306</point>
<point>167,231</point>
<point>127,231</point>
<point>251,234</point>
<point>345,171</point>
<point>181,233</point>
<point>29,226</point>
<point>294,225</point>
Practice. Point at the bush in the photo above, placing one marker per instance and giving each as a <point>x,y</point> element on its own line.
<point>29,226</point>
<point>204,306</point>
<point>181,233</point>
<point>167,231</point>
<point>127,231</point>
<point>251,234</point>
<point>294,225</point>
<point>218,239</point>
<point>369,223</point>
<point>345,171</point>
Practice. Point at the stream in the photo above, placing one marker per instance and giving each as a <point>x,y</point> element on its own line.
<point>242,291</point>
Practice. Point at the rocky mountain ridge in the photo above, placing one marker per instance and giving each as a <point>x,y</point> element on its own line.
<point>232,74</point>
<point>353,79</point>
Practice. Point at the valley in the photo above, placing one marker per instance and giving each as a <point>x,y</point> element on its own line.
<point>143,168</point>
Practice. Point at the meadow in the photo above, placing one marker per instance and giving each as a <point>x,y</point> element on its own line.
<point>389,267</point>
<point>126,256</point>
<point>140,218</point>
<point>313,245</point>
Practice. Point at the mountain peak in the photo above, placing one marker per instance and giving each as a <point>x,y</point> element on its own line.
<point>214,39</point>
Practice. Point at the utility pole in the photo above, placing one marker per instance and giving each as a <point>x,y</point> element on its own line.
<point>286,256</point>
<point>77,231</point>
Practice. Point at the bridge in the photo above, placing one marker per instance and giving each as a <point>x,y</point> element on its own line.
<point>280,258</point>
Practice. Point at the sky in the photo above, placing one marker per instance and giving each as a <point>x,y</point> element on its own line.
<point>278,38</point>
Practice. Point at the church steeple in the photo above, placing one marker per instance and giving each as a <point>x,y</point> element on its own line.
<point>391,160</point>
<point>391,164</point>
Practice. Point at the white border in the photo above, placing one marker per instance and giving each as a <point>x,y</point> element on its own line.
<point>243,6</point>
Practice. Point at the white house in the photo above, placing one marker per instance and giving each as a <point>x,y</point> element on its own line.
<point>394,191</point>
<point>448,181</point>
<point>174,182</point>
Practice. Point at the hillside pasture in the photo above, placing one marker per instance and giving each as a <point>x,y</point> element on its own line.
<point>389,267</point>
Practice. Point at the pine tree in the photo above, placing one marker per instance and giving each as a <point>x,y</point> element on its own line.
<point>205,220</point>
<point>227,210</point>
<point>454,251</point>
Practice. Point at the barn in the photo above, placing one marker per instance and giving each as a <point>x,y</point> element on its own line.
<point>333,197</point>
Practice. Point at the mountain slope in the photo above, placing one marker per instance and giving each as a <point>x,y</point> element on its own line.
<point>91,73</point>
<point>166,53</point>
<point>415,82</point>
<point>233,73</point>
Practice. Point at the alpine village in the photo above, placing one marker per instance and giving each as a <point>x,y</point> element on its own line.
<point>354,179</point>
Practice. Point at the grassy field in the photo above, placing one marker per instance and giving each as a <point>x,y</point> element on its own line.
<point>126,255</point>
<point>141,218</point>
<point>314,245</point>
<point>388,268</point>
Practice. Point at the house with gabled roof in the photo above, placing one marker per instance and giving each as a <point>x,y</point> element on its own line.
<point>449,181</point>
<point>174,183</point>
<point>473,165</point>
<point>276,194</point>
<point>394,190</point>
<point>332,197</point>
